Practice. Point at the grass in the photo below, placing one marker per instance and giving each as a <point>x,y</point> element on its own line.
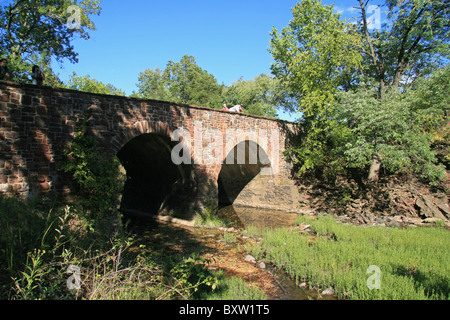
<point>234,288</point>
<point>412,263</point>
<point>40,244</point>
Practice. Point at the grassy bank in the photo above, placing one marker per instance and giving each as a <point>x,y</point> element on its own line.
<point>57,252</point>
<point>409,263</point>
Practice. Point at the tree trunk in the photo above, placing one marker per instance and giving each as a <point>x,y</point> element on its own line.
<point>382,89</point>
<point>374,172</point>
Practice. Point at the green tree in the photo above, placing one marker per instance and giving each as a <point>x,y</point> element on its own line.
<point>182,82</point>
<point>153,86</point>
<point>313,57</point>
<point>97,178</point>
<point>33,27</point>
<point>312,53</point>
<point>86,84</point>
<point>258,96</point>
<point>412,42</point>
<point>189,83</point>
<point>393,130</point>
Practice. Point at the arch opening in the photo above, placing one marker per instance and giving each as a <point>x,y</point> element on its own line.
<point>155,185</point>
<point>238,173</point>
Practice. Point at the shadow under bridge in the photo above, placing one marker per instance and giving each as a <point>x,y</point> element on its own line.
<point>155,185</point>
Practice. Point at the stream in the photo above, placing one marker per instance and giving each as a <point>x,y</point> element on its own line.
<point>269,218</point>
<point>212,244</point>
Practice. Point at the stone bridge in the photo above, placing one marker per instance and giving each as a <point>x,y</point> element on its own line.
<point>178,158</point>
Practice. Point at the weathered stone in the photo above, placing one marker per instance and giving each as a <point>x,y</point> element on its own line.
<point>328,292</point>
<point>51,114</point>
<point>250,258</point>
<point>428,209</point>
<point>411,220</point>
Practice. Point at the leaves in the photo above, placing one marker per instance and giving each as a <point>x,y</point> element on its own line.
<point>97,177</point>
<point>87,84</point>
<point>258,96</point>
<point>312,54</point>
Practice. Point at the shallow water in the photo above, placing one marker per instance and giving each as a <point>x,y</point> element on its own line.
<point>243,217</point>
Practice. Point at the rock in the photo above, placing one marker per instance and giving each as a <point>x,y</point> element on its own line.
<point>394,223</point>
<point>444,208</point>
<point>433,220</point>
<point>428,209</point>
<point>304,228</point>
<point>328,292</point>
<point>303,285</point>
<point>262,265</point>
<point>250,258</point>
<point>414,221</point>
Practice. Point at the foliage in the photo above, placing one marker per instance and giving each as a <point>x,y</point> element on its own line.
<point>96,174</point>
<point>152,86</point>
<point>411,43</point>
<point>37,27</point>
<point>87,84</point>
<point>412,261</point>
<point>366,101</point>
<point>182,82</point>
<point>41,246</point>
<point>186,82</point>
<point>234,289</point>
<point>258,96</point>
<point>390,130</point>
<point>313,56</point>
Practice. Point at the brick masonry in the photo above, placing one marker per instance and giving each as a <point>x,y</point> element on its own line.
<point>37,123</point>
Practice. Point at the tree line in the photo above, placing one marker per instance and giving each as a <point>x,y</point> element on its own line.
<point>374,100</point>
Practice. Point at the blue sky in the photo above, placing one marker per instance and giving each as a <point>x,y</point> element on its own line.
<point>228,38</point>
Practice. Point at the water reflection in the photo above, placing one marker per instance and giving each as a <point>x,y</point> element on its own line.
<point>243,217</point>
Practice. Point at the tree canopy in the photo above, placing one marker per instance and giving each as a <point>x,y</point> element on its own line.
<point>366,96</point>
<point>182,82</point>
<point>87,84</point>
<point>31,29</point>
<point>186,82</point>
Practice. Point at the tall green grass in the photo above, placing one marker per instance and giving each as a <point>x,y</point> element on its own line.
<point>413,263</point>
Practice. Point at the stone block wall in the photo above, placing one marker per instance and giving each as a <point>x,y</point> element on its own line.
<point>37,123</point>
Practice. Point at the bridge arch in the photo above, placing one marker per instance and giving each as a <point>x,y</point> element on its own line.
<point>242,164</point>
<point>155,185</point>
<point>126,133</point>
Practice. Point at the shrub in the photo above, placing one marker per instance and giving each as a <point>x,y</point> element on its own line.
<point>96,174</point>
